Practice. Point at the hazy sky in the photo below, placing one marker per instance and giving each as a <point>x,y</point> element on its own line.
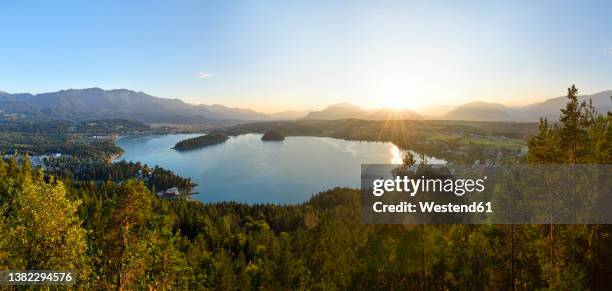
<point>277,55</point>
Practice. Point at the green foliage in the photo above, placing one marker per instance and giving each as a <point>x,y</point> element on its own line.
<point>408,159</point>
<point>38,223</point>
<point>155,178</point>
<point>582,136</point>
<point>132,240</point>
<point>570,256</point>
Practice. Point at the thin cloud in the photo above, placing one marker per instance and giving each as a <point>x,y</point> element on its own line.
<point>608,50</point>
<point>204,75</point>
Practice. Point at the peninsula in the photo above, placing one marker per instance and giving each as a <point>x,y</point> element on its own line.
<point>200,141</point>
<point>273,135</point>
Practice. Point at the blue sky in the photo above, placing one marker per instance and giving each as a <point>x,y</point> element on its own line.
<point>278,55</point>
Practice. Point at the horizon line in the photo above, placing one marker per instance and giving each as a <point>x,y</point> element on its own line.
<point>416,109</point>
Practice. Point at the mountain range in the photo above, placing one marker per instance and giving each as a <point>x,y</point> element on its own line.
<point>550,108</point>
<point>96,103</point>
<point>474,111</point>
<point>347,110</point>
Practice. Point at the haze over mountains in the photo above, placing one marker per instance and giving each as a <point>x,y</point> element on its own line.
<point>482,111</point>
<point>96,103</point>
<point>474,111</point>
<point>347,110</point>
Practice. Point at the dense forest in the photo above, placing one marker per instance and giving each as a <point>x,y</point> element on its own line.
<point>120,236</point>
<point>156,178</point>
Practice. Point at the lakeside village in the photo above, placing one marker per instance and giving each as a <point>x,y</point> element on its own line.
<point>170,193</point>
<point>36,161</point>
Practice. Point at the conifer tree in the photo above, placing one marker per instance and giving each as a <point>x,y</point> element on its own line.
<point>2,166</point>
<point>27,165</point>
<point>128,252</point>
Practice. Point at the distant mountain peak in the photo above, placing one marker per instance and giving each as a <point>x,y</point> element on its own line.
<point>479,111</point>
<point>347,110</point>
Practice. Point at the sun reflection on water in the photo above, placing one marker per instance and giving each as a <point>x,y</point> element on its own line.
<point>396,155</point>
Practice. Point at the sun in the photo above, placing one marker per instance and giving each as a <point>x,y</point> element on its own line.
<point>394,90</point>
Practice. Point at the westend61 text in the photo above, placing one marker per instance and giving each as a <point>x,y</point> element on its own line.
<point>432,207</point>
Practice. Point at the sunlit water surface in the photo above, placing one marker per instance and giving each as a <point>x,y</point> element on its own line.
<point>246,169</point>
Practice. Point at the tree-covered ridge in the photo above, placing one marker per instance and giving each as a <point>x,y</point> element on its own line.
<point>200,141</point>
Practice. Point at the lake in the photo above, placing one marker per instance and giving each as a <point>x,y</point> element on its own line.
<point>246,169</point>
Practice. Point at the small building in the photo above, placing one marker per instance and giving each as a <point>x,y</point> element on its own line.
<point>37,161</point>
<point>170,192</point>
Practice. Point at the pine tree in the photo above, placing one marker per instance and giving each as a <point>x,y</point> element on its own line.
<point>128,241</point>
<point>27,165</point>
<point>575,118</point>
<point>543,147</point>
<point>408,160</point>
<point>2,166</point>
<point>166,265</point>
